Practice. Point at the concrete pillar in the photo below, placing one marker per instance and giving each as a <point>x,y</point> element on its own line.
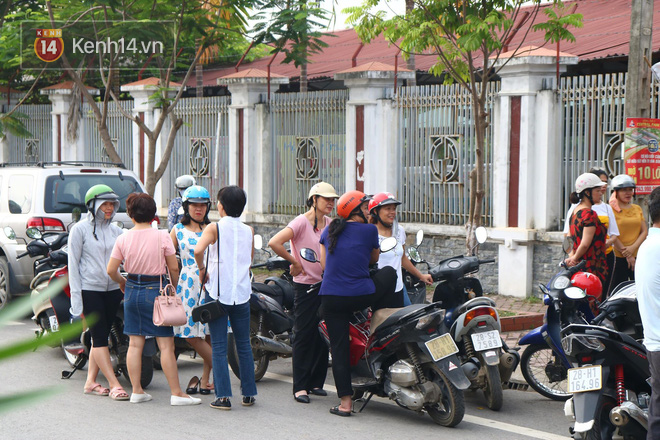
<point>527,157</point>
<point>250,164</point>
<point>372,160</point>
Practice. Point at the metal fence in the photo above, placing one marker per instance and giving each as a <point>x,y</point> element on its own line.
<point>120,130</point>
<point>308,145</point>
<point>201,147</point>
<point>437,143</point>
<point>39,145</point>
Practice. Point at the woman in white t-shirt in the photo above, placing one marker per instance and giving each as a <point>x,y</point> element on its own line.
<point>382,208</point>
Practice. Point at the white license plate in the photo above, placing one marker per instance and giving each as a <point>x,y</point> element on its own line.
<point>54,325</point>
<point>585,379</point>
<point>486,340</point>
<point>441,347</point>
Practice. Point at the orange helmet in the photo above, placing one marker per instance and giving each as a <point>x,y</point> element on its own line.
<point>349,201</point>
<point>382,199</point>
<point>588,282</point>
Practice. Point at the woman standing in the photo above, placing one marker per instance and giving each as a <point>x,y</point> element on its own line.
<point>587,232</point>
<point>145,251</point>
<point>348,246</point>
<point>310,353</point>
<point>382,208</point>
<point>92,291</point>
<point>196,203</point>
<point>632,227</point>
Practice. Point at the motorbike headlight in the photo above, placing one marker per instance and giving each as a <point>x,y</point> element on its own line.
<point>426,321</point>
<point>561,282</point>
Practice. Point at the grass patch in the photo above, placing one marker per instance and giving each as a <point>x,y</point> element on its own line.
<point>532,300</point>
<point>506,313</point>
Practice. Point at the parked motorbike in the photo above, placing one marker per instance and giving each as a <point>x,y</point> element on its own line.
<point>415,287</point>
<point>406,355</point>
<point>271,318</point>
<point>609,382</point>
<point>474,324</point>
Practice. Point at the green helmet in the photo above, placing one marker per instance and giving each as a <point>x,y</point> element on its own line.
<point>100,192</point>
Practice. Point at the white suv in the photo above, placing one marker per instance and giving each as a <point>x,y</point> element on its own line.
<point>44,195</point>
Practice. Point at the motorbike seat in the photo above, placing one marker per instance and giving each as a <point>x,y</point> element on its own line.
<point>385,317</point>
<point>475,302</point>
<point>278,289</point>
<point>268,290</point>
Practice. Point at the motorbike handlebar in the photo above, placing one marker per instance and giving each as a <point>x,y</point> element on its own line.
<point>21,255</point>
<point>490,260</point>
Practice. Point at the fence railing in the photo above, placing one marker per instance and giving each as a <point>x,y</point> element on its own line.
<point>119,128</point>
<point>437,144</point>
<point>39,145</point>
<point>308,145</point>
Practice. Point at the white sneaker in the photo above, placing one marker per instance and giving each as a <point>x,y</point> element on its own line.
<point>139,398</point>
<point>184,401</point>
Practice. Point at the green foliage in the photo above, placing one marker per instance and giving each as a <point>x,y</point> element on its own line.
<point>13,125</point>
<point>559,20</point>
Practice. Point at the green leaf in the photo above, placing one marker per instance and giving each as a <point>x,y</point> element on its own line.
<point>8,403</point>
<point>20,307</point>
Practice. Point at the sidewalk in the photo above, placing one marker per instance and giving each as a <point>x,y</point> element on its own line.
<point>529,315</point>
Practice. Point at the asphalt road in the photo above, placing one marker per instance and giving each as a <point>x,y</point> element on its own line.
<point>70,414</point>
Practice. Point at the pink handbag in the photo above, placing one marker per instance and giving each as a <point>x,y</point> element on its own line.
<point>168,308</point>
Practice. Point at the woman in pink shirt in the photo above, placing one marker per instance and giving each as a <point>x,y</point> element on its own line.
<point>310,353</point>
<point>145,251</point>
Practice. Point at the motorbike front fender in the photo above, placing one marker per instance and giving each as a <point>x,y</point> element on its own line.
<point>534,337</point>
<point>451,367</point>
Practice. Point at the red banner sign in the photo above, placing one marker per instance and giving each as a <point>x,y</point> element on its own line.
<point>641,155</point>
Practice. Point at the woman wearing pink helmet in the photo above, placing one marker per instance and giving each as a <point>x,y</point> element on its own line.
<point>382,209</point>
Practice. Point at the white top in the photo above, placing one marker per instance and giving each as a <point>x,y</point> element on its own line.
<point>647,282</point>
<point>233,264</point>
<point>393,257</point>
<point>602,209</point>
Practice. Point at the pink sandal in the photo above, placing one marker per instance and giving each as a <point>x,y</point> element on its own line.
<point>97,390</point>
<point>118,393</point>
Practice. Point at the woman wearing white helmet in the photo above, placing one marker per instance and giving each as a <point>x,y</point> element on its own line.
<point>310,353</point>
<point>632,227</point>
<point>173,215</point>
<point>587,231</point>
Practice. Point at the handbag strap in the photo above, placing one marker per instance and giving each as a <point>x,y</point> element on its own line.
<point>217,243</point>
<point>201,281</point>
<point>167,269</point>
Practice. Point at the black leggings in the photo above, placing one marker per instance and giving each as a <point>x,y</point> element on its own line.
<point>337,311</point>
<point>621,273</point>
<point>104,306</point>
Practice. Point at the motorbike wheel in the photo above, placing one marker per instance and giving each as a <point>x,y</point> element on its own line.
<point>603,427</point>
<point>493,389</point>
<point>535,363</point>
<point>450,409</point>
<point>261,358</point>
<point>4,282</point>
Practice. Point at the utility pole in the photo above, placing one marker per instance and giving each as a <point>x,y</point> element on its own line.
<point>638,83</point>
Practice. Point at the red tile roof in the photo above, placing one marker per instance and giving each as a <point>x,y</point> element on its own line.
<point>151,81</point>
<point>373,66</point>
<point>6,89</point>
<point>605,34</point>
<point>252,73</point>
<point>66,85</point>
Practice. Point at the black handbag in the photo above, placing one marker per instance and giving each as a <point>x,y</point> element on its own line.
<point>212,310</point>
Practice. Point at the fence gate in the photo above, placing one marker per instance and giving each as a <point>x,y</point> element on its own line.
<point>120,129</point>
<point>38,147</point>
<point>309,145</point>
<point>201,147</point>
<point>437,142</point>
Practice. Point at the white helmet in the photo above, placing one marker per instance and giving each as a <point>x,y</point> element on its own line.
<point>185,181</point>
<point>622,181</point>
<point>588,181</point>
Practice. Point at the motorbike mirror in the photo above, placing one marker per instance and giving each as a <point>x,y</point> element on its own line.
<point>33,233</point>
<point>388,244</point>
<point>481,234</point>
<point>419,237</point>
<point>309,255</point>
<point>258,242</point>
<point>9,233</point>
<point>413,254</point>
<point>574,293</point>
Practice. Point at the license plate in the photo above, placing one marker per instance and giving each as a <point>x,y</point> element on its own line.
<point>54,325</point>
<point>585,379</point>
<point>486,340</point>
<point>441,347</point>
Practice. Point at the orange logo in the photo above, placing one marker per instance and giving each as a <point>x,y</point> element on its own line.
<point>48,44</point>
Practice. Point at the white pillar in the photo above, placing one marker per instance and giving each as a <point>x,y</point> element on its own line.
<point>527,100</point>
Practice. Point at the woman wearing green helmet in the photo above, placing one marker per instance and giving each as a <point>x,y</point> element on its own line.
<point>92,291</point>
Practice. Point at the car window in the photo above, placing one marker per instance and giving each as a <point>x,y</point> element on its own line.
<point>63,195</point>
<point>19,193</point>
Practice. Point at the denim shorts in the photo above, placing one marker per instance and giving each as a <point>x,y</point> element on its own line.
<point>139,309</point>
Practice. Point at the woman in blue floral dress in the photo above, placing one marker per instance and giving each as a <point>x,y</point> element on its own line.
<point>196,203</point>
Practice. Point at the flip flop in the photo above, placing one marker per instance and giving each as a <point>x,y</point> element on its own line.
<point>336,411</point>
<point>118,393</point>
<point>97,390</point>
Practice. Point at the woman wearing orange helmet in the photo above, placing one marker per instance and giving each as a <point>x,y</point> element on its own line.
<point>348,246</point>
<point>382,209</point>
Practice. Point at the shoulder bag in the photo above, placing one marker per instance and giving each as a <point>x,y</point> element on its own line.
<point>168,308</point>
<point>212,310</point>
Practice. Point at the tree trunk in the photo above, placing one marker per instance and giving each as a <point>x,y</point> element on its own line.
<point>303,77</point>
<point>477,179</point>
<point>410,63</point>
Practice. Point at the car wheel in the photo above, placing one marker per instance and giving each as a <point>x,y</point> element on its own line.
<point>4,282</point>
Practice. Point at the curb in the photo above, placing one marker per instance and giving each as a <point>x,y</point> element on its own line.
<point>525,321</point>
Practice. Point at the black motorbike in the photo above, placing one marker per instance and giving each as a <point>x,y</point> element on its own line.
<point>609,382</point>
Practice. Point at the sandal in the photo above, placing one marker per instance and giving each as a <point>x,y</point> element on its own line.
<point>193,385</point>
<point>97,390</point>
<point>207,389</point>
<point>118,393</point>
<point>336,411</point>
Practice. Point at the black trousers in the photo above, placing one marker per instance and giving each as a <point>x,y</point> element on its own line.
<point>609,286</point>
<point>621,272</point>
<point>337,311</point>
<point>310,352</point>
<point>654,409</point>
<point>103,306</point>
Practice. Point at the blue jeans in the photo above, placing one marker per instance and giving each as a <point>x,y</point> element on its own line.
<point>239,315</point>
